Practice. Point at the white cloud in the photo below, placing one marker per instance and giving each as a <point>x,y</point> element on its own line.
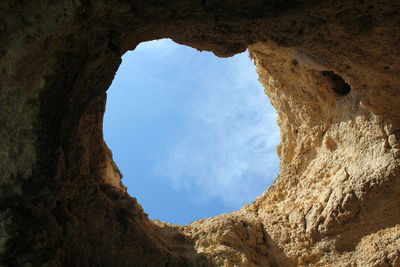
<point>228,149</point>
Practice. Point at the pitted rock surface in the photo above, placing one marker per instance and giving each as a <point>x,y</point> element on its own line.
<point>330,68</point>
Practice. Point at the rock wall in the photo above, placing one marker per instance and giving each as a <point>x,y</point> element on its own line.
<point>331,69</point>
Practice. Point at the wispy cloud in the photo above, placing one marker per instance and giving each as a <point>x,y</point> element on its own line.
<point>228,147</point>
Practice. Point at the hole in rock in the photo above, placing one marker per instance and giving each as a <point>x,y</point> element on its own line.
<point>339,85</point>
<point>194,135</point>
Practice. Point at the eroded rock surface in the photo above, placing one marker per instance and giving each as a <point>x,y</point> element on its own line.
<point>330,68</point>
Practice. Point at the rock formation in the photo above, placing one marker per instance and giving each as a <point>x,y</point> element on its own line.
<point>330,68</point>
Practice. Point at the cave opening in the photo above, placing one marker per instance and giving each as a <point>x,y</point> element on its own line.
<point>194,135</point>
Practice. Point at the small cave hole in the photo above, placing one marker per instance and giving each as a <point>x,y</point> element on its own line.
<point>339,85</point>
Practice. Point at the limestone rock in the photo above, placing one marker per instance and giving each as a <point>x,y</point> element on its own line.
<point>330,68</point>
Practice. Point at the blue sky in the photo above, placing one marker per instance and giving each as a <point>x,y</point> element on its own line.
<point>193,134</point>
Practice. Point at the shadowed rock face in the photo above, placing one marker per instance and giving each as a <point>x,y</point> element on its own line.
<point>331,69</point>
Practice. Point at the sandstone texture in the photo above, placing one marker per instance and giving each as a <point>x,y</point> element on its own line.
<point>331,69</point>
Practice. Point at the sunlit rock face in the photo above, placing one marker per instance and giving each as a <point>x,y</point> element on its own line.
<point>331,70</point>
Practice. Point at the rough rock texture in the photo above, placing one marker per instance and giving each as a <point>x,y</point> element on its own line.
<point>331,69</point>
